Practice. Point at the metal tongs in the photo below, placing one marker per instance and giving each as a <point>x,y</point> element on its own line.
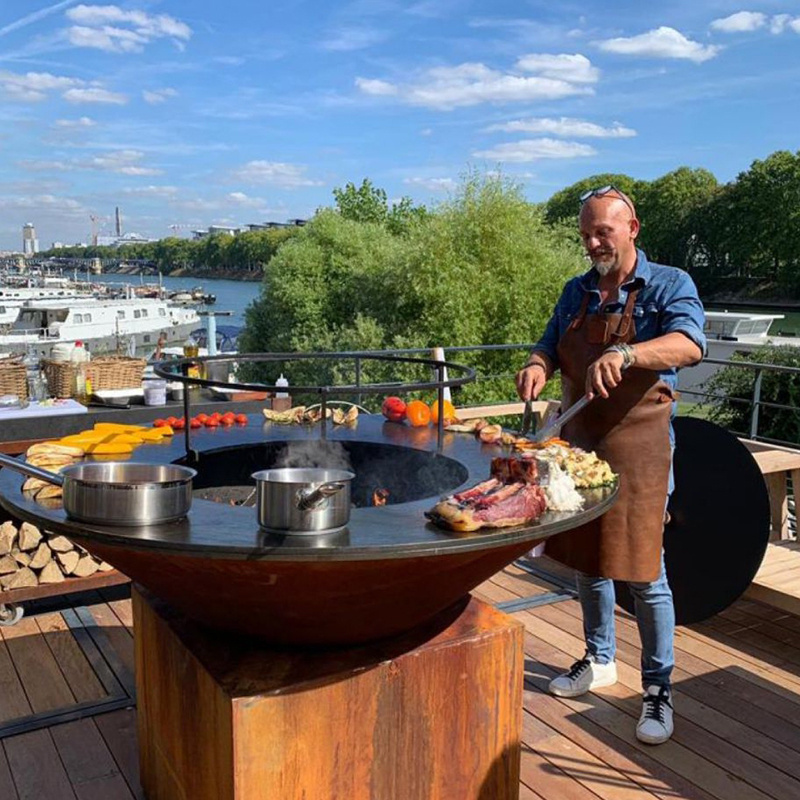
<point>527,418</point>
<point>551,430</point>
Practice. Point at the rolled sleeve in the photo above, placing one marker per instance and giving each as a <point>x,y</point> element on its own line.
<point>683,312</point>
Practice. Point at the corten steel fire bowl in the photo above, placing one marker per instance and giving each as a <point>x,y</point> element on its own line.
<point>388,572</point>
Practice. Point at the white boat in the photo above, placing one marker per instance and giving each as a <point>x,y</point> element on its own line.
<point>105,326</point>
<point>729,333</point>
<point>12,298</point>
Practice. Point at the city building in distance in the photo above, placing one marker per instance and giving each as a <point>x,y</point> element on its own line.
<point>30,244</point>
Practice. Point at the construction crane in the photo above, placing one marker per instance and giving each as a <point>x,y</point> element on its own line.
<point>176,227</point>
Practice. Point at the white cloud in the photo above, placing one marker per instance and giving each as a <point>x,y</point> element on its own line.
<point>94,95</point>
<point>158,95</point>
<point>122,162</point>
<point>166,192</point>
<point>349,39</point>
<point>115,30</point>
<point>779,22</point>
<point>71,124</point>
<point>661,42</point>
<point>574,68</point>
<point>277,173</point>
<point>446,88</point>
<point>40,165</point>
<point>376,87</point>
<point>795,24</point>
<point>535,149</point>
<point>740,22</point>
<point>564,126</point>
<point>432,184</point>
<point>34,86</point>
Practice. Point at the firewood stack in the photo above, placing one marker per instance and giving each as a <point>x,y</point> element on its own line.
<point>30,557</point>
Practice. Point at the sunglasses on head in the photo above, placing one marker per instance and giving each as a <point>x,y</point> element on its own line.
<point>603,191</point>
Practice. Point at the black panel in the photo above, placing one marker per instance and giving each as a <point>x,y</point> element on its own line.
<point>720,522</point>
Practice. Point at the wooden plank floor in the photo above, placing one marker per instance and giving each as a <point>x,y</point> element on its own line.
<point>737,734</point>
<point>778,578</point>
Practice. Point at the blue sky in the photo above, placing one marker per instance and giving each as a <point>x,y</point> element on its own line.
<point>191,113</point>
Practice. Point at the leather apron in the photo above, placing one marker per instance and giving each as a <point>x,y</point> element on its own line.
<point>630,430</point>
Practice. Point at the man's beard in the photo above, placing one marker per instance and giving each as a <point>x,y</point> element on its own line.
<point>604,267</point>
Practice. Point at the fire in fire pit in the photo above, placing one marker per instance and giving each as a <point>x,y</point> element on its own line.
<point>380,496</point>
<point>385,474</point>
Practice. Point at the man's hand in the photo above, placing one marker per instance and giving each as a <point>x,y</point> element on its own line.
<point>530,381</point>
<point>604,374</point>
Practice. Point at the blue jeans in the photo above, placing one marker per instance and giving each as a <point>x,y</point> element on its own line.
<point>655,616</point>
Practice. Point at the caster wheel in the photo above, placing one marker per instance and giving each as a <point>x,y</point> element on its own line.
<point>10,614</point>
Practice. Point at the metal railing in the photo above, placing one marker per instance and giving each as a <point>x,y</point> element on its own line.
<point>756,401</point>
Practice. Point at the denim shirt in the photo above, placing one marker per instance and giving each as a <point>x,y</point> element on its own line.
<point>667,303</point>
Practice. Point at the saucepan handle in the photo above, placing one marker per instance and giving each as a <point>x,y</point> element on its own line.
<point>309,499</point>
<point>30,470</point>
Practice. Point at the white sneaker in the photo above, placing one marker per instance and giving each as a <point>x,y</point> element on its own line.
<point>583,676</point>
<point>655,723</point>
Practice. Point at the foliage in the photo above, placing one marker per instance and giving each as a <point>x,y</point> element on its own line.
<point>482,268</point>
<point>368,203</point>
<point>564,206</point>
<point>732,388</point>
<point>729,236</point>
<point>668,208</point>
<point>245,252</point>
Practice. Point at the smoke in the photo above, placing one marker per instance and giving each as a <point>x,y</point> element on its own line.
<point>318,454</point>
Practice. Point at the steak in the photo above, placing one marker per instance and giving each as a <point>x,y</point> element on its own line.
<point>510,497</point>
<point>515,469</point>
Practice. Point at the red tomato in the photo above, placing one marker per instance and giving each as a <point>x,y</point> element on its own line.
<point>180,424</point>
<point>229,418</point>
<point>195,423</point>
<point>241,419</point>
<point>201,417</point>
<point>394,409</point>
<point>159,423</point>
<point>216,415</point>
<point>211,422</point>
<point>171,421</point>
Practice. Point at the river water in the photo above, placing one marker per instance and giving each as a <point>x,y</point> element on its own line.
<point>233,296</point>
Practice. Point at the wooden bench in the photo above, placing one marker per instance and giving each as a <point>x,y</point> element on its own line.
<point>777,464</point>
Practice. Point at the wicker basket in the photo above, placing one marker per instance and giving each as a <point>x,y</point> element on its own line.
<point>105,372</point>
<point>13,377</point>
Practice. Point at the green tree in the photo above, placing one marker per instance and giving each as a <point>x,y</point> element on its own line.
<point>482,268</point>
<point>732,390</point>
<point>564,205</point>
<point>367,203</point>
<point>669,209</point>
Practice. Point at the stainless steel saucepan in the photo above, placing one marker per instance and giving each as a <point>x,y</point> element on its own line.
<point>118,493</point>
<point>300,500</point>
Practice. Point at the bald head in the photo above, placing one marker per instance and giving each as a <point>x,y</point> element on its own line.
<point>609,228</point>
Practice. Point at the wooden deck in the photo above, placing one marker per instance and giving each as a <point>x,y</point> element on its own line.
<point>737,684</point>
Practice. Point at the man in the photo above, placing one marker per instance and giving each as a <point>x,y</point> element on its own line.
<point>619,333</point>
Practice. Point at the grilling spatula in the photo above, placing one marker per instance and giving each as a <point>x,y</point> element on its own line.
<point>551,430</point>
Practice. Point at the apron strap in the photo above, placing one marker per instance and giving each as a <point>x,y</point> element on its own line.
<point>581,315</point>
<point>624,327</point>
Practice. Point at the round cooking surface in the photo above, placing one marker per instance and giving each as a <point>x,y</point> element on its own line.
<point>387,572</point>
<point>719,522</point>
